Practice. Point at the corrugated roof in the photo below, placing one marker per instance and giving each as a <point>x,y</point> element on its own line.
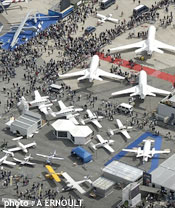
<point>123,170</point>
<point>69,126</point>
<point>164,175</point>
<point>26,120</point>
<point>32,114</point>
<point>103,183</point>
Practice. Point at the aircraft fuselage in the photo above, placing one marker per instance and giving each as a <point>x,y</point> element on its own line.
<point>93,67</point>
<point>142,84</point>
<point>146,150</point>
<point>151,39</point>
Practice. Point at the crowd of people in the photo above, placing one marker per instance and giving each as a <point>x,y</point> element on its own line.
<point>72,51</point>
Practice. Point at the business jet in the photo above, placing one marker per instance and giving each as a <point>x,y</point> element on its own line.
<point>21,146</point>
<point>149,45</point>
<point>69,112</point>
<point>103,143</point>
<point>3,160</point>
<point>142,89</point>
<point>41,102</point>
<point>92,117</point>
<point>26,160</point>
<point>51,157</point>
<point>103,18</point>
<point>121,129</point>
<point>72,184</point>
<point>146,152</point>
<point>92,73</point>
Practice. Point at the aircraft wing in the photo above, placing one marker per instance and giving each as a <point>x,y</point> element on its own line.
<point>151,89</point>
<point>113,19</point>
<point>43,109</point>
<point>52,172</point>
<point>133,45</point>
<point>73,183</point>
<point>131,150</point>
<point>15,149</point>
<point>17,160</point>
<point>161,45</point>
<point>96,122</point>
<point>37,95</point>
<point>160,151</point>
<point>119,123</point>
<point>30,145</point>
<point>42,155</point>
<point>125,133</point>
<point>108,75</point>
<point>127,91</point>
<point>100,138</point>
<point>61,104</point>
<point>8,163</point>
<point>73,119</point>
<point>108,147</point>
<point>73,74</point>
<point>102,17</point>
<point>29,163</point>
<point>57,158</point>
<point>90,114</point>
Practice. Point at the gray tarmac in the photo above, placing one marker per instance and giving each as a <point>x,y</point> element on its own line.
<point>46,142</point>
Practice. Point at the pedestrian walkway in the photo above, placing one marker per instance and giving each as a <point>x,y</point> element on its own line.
<point>137,67</point>
<point>157,146</point>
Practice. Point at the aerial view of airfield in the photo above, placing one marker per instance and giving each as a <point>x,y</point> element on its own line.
<point>87,103</point>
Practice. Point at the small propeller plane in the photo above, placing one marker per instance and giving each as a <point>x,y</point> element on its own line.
<point>69,112</point>
<point>21,146</point>
<point>103,18</point>
<point>121,129</point>
<point>146,152</point>
<point>3,160</point>
<point>104,143</point>
<point>51,157</point>
<point>42,102</point>
<point>52,174</point>
<point>72,184</point>
<point>92,118</point>
<point>25,161</point>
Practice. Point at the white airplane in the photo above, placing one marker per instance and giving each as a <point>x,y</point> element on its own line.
<point>147,152</point>
<point>23,27</point>
<point>41,102</point>
<point>18,31</point>
<point>149,45</point>
<point>103,18</point>
<point>104,143</point>
<point>121,129</point>
<point>21,146</point>
<point>142,89</point>
<point>25,161</point>
<point>51,157</point>
<point>3,160</point>
<point>72,184</point>
<point>92,118</point>
<point>68,112</point>
<point>91,73</point>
